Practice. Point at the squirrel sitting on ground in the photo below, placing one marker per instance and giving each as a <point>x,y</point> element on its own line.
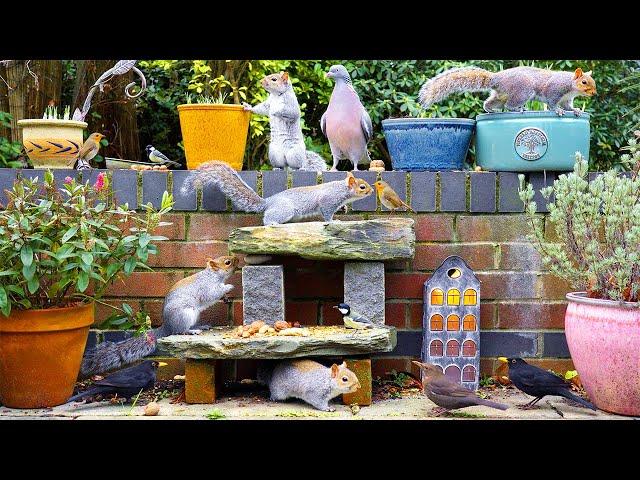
<point>286,148</point>
<point>287,206</point>
<point>307,380</point>
<point>512,88</point>
<point>180,312</point>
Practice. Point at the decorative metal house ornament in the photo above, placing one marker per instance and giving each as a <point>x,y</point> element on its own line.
<point>451,322</point>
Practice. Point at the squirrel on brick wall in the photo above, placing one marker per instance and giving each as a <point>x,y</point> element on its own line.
<point>307,380</point>
<point>287,206</point>
<point>286,148</point>
<point>512,88</point>
<point>180,312</point>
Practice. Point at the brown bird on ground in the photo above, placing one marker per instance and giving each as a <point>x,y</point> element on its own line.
<point>448,394</point>
<point>389,198</point>
<point>90,148</point>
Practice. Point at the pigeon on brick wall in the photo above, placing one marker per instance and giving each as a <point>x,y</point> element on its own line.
<point>346,123</point>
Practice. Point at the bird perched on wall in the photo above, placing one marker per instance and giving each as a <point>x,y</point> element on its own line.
<point>156,156</point>
<point>353,319</point>
<point>389,198</point>
<point>126,383</point>
<point>346,123</point>
<point>539,383</point>
<point>448,394</point>
<point>88,151</point>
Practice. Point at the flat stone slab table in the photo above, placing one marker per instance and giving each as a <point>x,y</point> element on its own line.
<point>220,343</point>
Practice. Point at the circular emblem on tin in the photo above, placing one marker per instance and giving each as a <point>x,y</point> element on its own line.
<point>531,143</point>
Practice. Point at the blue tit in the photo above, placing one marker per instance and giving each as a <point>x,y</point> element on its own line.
<point>156,156</point>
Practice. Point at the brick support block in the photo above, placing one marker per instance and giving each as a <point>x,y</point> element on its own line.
<point>364,289</point>
<point>263,293</point>
<point>200,385</point>
<point>362,396</point>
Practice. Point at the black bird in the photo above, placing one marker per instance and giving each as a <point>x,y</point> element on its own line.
<point>127,383</point>
<point>539,383</point>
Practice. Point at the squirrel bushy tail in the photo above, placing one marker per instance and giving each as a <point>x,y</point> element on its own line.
<point>314,162</point>
<point>107,356</point>
<point>465,79</point>
<point>229,182</point>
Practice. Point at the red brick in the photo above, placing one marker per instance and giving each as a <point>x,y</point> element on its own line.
<point>306,313</point>
<point>404,285</point>
<point>236,310</point>
<point>416,311</point>
<point>314,285</point>
<point>186,254</point>
<point>531,315</point>
<point>492,366</point>
<point>381,366</point>
<point>330,315</point>
<point>236,280</point>
<point>102,312</point>
<point>434,228</point>
<point>154,309</point>
<point>503,285</point>
<point>487,315</point>
<point>519,256</point>
<point>478,256</point>
<point>144,284</point>
<point>394,314</point>
<point>216,315</point>
<point>216,226</point>
<point>493,228</point>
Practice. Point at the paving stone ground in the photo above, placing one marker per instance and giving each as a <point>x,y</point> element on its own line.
<point>411,407</point>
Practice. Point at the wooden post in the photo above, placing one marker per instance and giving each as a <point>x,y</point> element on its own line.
<point>200,385</point>
<point>362,368</point>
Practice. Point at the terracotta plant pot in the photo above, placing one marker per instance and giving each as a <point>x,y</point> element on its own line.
<point>52,143</point>
<point>214,132</point>
<point>40,355</point>
<point>604,341</point>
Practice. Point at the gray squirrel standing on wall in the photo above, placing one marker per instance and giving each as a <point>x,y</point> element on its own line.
<point>286,148</point>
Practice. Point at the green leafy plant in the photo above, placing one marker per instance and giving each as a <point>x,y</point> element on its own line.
<point>125,318</point>
<point>9,151</point>
<point>597,225</point>
<point>220,98</point>
<point>215,414</point>
<point>56,240</point>
<point>51,113</point>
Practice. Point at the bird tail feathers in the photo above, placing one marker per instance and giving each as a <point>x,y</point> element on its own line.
<point>489,403</point>
<point>567,394</point>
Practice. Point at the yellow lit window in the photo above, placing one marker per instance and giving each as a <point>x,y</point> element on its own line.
<point>470,297</point>
<point>436,322</point>
<point>453,297</point>
<point>453,323</point>
<point>437,296</point>
<point>469,323</point>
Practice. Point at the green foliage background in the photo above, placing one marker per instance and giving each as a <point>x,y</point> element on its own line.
<point>388,88</point>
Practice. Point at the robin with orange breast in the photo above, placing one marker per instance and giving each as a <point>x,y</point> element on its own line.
<point>88,151</point>
<point>389,198</point>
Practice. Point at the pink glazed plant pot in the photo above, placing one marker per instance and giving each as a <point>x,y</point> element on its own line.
<point>604,340</point>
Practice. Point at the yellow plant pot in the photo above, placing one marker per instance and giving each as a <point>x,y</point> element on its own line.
<point>52,143</point>
<point>214,132</point>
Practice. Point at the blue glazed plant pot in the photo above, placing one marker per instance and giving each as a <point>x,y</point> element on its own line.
<point>530,141</point>
<point>428,143</point>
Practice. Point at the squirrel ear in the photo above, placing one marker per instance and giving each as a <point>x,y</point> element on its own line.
<point>211,263</point>
<point>588,73</point>
<point>578,73</point>
<point>285,76</point>
<point>334,370</point>
<point>351,180</point>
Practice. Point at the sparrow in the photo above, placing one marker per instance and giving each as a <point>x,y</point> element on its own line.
<point>353,319</point>
<point>127,383</point>
<point>89,149</point>
<point>448,394</point>
<point>389,198</point>
<point>156,156</point>
<point>539,383</point>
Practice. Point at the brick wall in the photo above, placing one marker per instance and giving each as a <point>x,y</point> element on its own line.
<point>476,215</point>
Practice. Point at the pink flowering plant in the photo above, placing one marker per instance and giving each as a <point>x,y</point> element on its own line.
<point>65,244</point>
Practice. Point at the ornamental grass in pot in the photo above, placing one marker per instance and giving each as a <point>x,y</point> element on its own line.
<point>61,246</point>
<point>596,225</point>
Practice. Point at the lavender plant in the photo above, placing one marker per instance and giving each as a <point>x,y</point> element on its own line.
<point>597,225</point>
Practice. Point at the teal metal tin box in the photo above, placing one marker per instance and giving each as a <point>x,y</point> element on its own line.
<point>530,141</point>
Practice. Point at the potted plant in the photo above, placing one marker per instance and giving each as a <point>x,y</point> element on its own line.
<point>597,250</point>
<point>54,140</point>
<point>428,143</point>
<point>60,248</point>
<point>213,130</point>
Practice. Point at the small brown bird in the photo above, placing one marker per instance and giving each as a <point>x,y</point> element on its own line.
<point>389,198</point>
<point>90,148</point>
<point>448,394</point>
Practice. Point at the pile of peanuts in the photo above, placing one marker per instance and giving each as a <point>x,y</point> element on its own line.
<point>260,328</point>
<point>136,166</point>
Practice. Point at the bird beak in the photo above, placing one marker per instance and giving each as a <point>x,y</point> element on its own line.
<point>335,306</point>
<point>328,75</point>
<point>162,364</point>
<point>503,359</point>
